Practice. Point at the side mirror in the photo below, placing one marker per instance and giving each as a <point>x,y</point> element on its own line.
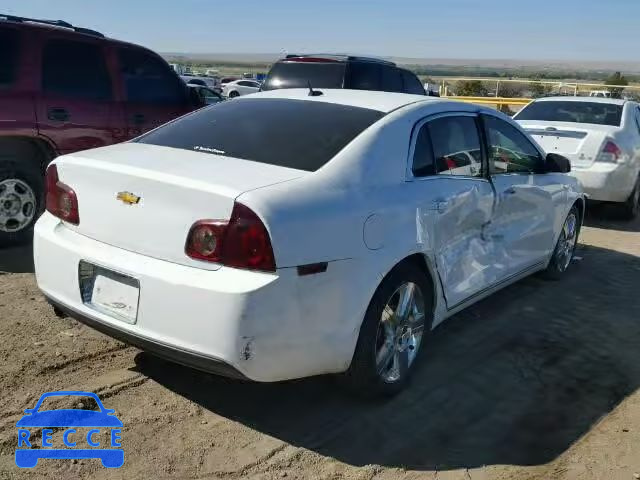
<point>557,163</point>
<point>195,99</point>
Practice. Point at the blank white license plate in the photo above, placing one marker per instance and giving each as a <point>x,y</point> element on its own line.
<point>113,294</point>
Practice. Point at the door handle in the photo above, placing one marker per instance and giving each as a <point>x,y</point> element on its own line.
<point>137,118</point>
<point>440,206</point>
<point>58,114</point>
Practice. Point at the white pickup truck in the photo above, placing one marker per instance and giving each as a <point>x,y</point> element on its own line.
<point>601,138</point>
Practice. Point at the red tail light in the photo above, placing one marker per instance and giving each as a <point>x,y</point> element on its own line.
<point>242,242</point>
<point>61,200</point>
<point>610,153</point>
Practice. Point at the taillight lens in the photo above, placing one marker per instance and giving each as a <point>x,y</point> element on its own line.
<point>242,242</point>
<point>61,200</point>
<point>610,153</point>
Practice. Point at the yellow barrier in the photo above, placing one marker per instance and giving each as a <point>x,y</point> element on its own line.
<point>497,101</point>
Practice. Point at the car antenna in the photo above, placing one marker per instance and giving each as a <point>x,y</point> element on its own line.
<point>312,92</point>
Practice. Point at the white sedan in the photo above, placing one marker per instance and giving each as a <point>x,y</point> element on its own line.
<point>241,87</point>
<point>284,235</point>
<point>601,138</point>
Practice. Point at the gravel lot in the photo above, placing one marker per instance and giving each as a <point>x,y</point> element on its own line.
<point>540,381</point>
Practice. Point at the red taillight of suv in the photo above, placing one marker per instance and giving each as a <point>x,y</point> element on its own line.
<point>61,200</point>
<point>241,242</point>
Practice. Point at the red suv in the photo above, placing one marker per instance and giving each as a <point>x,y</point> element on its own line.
<point>64,89</point>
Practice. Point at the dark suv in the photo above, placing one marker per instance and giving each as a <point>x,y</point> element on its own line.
<point>341,71</point>
<point>64,89</point>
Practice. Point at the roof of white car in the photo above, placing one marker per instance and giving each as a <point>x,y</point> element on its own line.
<point>381,101</point>
<point>613,101</point>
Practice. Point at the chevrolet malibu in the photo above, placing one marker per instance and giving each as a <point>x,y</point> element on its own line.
<point>294,232</point>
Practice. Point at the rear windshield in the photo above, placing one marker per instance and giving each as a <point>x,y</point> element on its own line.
<point>300,74</point>
<point>577,112</point>
<point>298,134</point>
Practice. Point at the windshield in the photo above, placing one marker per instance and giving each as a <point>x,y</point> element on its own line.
<point>300,74</point>
<point>298,134</point>
<point>577,112</point>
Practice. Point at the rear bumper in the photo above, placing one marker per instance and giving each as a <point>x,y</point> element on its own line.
<point>260,326</point>
<point>168,352</point>
<point>607,182</point>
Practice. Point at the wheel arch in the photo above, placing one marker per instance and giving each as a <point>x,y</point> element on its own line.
<point>581,206</point>
<point>38,148</point>
<point>423,263</point>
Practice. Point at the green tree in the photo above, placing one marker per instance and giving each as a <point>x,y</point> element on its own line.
<point>471,88</point>
<point>616,79</point>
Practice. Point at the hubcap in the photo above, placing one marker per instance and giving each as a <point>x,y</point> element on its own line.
<point>17,205</point>
<point>567,242</point>
<point>400,332</point>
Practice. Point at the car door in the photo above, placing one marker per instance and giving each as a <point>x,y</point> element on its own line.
<point>153,92</point>
<point>455,204</point>
<point>527,200</point>
<point>75,107</point>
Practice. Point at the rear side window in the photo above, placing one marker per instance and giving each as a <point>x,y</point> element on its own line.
<point>423,163</point>
<point>300,74</point>
<point>364,76</point>
<point>148,79</point>
<point>456,146</point>
<point>9,54</point>
<point>75,70</point>
<point>578,112</point>
<point>298,134</point>
<point>391,79</point>
<point>411,83</point>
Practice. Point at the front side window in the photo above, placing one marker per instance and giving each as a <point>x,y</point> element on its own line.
<point>9,55</point>
<point>456,146</point>
<point>148,79</point>
<point>288,133</point>
<point>509,150</point>
<point>75,70</point>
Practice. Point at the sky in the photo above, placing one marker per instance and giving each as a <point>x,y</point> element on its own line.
<point>578,30</point>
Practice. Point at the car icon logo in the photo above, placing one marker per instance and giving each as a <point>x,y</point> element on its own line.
<point>69,425</point>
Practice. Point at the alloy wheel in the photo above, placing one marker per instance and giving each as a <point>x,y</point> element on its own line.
<point>567,242</point>
<point>400,332</point>
<point>17,205</point>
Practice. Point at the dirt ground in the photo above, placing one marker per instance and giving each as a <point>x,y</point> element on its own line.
<point>541,381</point>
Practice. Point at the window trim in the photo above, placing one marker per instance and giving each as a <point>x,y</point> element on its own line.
<point>484,169</point>
<point>523,133</point>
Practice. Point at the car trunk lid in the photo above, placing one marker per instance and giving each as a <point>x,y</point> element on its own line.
<point>580,143</point>
<point>145,198</point>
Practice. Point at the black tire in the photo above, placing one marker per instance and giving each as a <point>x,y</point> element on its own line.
<point>234,94</point>
<point>631,207</point>
<point>27,170</point>
<point>558,266</point>
<point>363,377</point>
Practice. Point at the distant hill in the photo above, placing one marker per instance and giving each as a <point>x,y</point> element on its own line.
<point>484,64</point>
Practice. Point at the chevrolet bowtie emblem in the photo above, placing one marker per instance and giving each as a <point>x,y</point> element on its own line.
<point>128,198</point>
